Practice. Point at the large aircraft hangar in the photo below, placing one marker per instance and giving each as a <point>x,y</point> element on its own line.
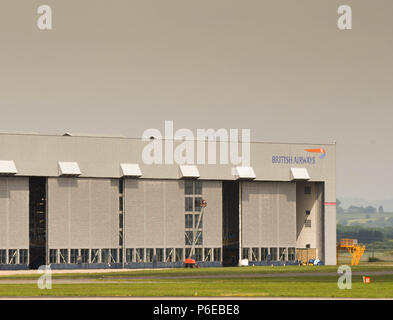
<point>72,201</point>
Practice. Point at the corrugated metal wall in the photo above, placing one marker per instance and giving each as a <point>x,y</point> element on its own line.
<point>83,213</point>
<point>212,219</point>
<point>155,213</point>
<point>14,213</point>
<point>268,214</point>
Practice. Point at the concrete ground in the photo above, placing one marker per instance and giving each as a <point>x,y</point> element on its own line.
<point>28,272</point>
<point>151,278</point>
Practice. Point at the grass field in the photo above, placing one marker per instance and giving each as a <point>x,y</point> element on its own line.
<point>218,282</point>
<point>382,287</point>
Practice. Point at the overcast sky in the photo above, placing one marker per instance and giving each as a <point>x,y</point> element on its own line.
<point>280,68</point>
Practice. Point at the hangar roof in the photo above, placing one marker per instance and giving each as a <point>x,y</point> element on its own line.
<point>102,156</point>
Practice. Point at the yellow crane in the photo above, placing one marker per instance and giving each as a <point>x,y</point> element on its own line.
<point>351,245</point>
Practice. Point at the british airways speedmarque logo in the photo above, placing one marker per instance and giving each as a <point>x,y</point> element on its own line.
<point>289,159</point>
<point>323,151</point>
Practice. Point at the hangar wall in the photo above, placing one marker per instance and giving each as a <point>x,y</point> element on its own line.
<point>155,216</point>
<point>268,215</point>
<point>83,213</point>
<point>310,216</point>
<point>212,193</point>
<point>154,213</point>
<point>14,213</point>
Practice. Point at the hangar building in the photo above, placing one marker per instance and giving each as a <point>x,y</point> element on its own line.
<point>91,202</point>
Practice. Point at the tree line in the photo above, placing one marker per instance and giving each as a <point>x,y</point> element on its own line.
<point>364,235</point>
<point>357,209</point>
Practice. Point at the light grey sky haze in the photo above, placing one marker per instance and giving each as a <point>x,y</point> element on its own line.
<point>279,68</point>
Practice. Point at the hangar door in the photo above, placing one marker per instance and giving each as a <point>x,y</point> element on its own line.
<point>83,214</point>
<point>268,231</point>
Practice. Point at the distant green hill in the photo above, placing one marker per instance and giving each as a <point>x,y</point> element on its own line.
<point>367,220</point>
<point>347,202</point>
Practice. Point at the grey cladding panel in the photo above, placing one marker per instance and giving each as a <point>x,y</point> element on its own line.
<point>14,213</point>
<point>154,213</point>
<point>82,213</point>
<point>58,204</point>
<point>3,213</point>
<point>268,214</point>
<point>212,219</point>
<point>134,212</point>
<point>287,214</point>
<point>79,193</point>
<point>174,211</point>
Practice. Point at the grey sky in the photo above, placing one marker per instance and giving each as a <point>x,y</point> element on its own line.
<point>280,68</point>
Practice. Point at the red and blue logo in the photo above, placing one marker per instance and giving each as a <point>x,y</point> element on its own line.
<point>322,151</point>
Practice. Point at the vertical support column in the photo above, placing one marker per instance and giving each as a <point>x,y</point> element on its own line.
<point>321,224</point>
<point>240,220</point>
<point>122,212</point>
<point>124,225</point>
<point>330,224</point>
<point>47,226</point>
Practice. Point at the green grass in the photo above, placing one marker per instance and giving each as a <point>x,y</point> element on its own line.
<point>222,282</point>
<point>381,287</point>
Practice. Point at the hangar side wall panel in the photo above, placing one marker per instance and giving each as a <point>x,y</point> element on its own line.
<point>250,214</point>
<point>154,213</point>
<point>104,213</point>
<point>329,222</point>
<point>134,208</point>
<point>174,213</point>
<point>79,196</point>
<point>268,214</point>
<point>212,218</point>
<point>14,213</point>
<point>320,226</point>
<point>58,206</point>
<point>287,214</point>
<point>82,213</point>
<point>3,213</point>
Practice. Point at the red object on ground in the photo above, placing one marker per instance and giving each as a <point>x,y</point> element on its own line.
<point>190,261</point>
<point>366,279</point>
